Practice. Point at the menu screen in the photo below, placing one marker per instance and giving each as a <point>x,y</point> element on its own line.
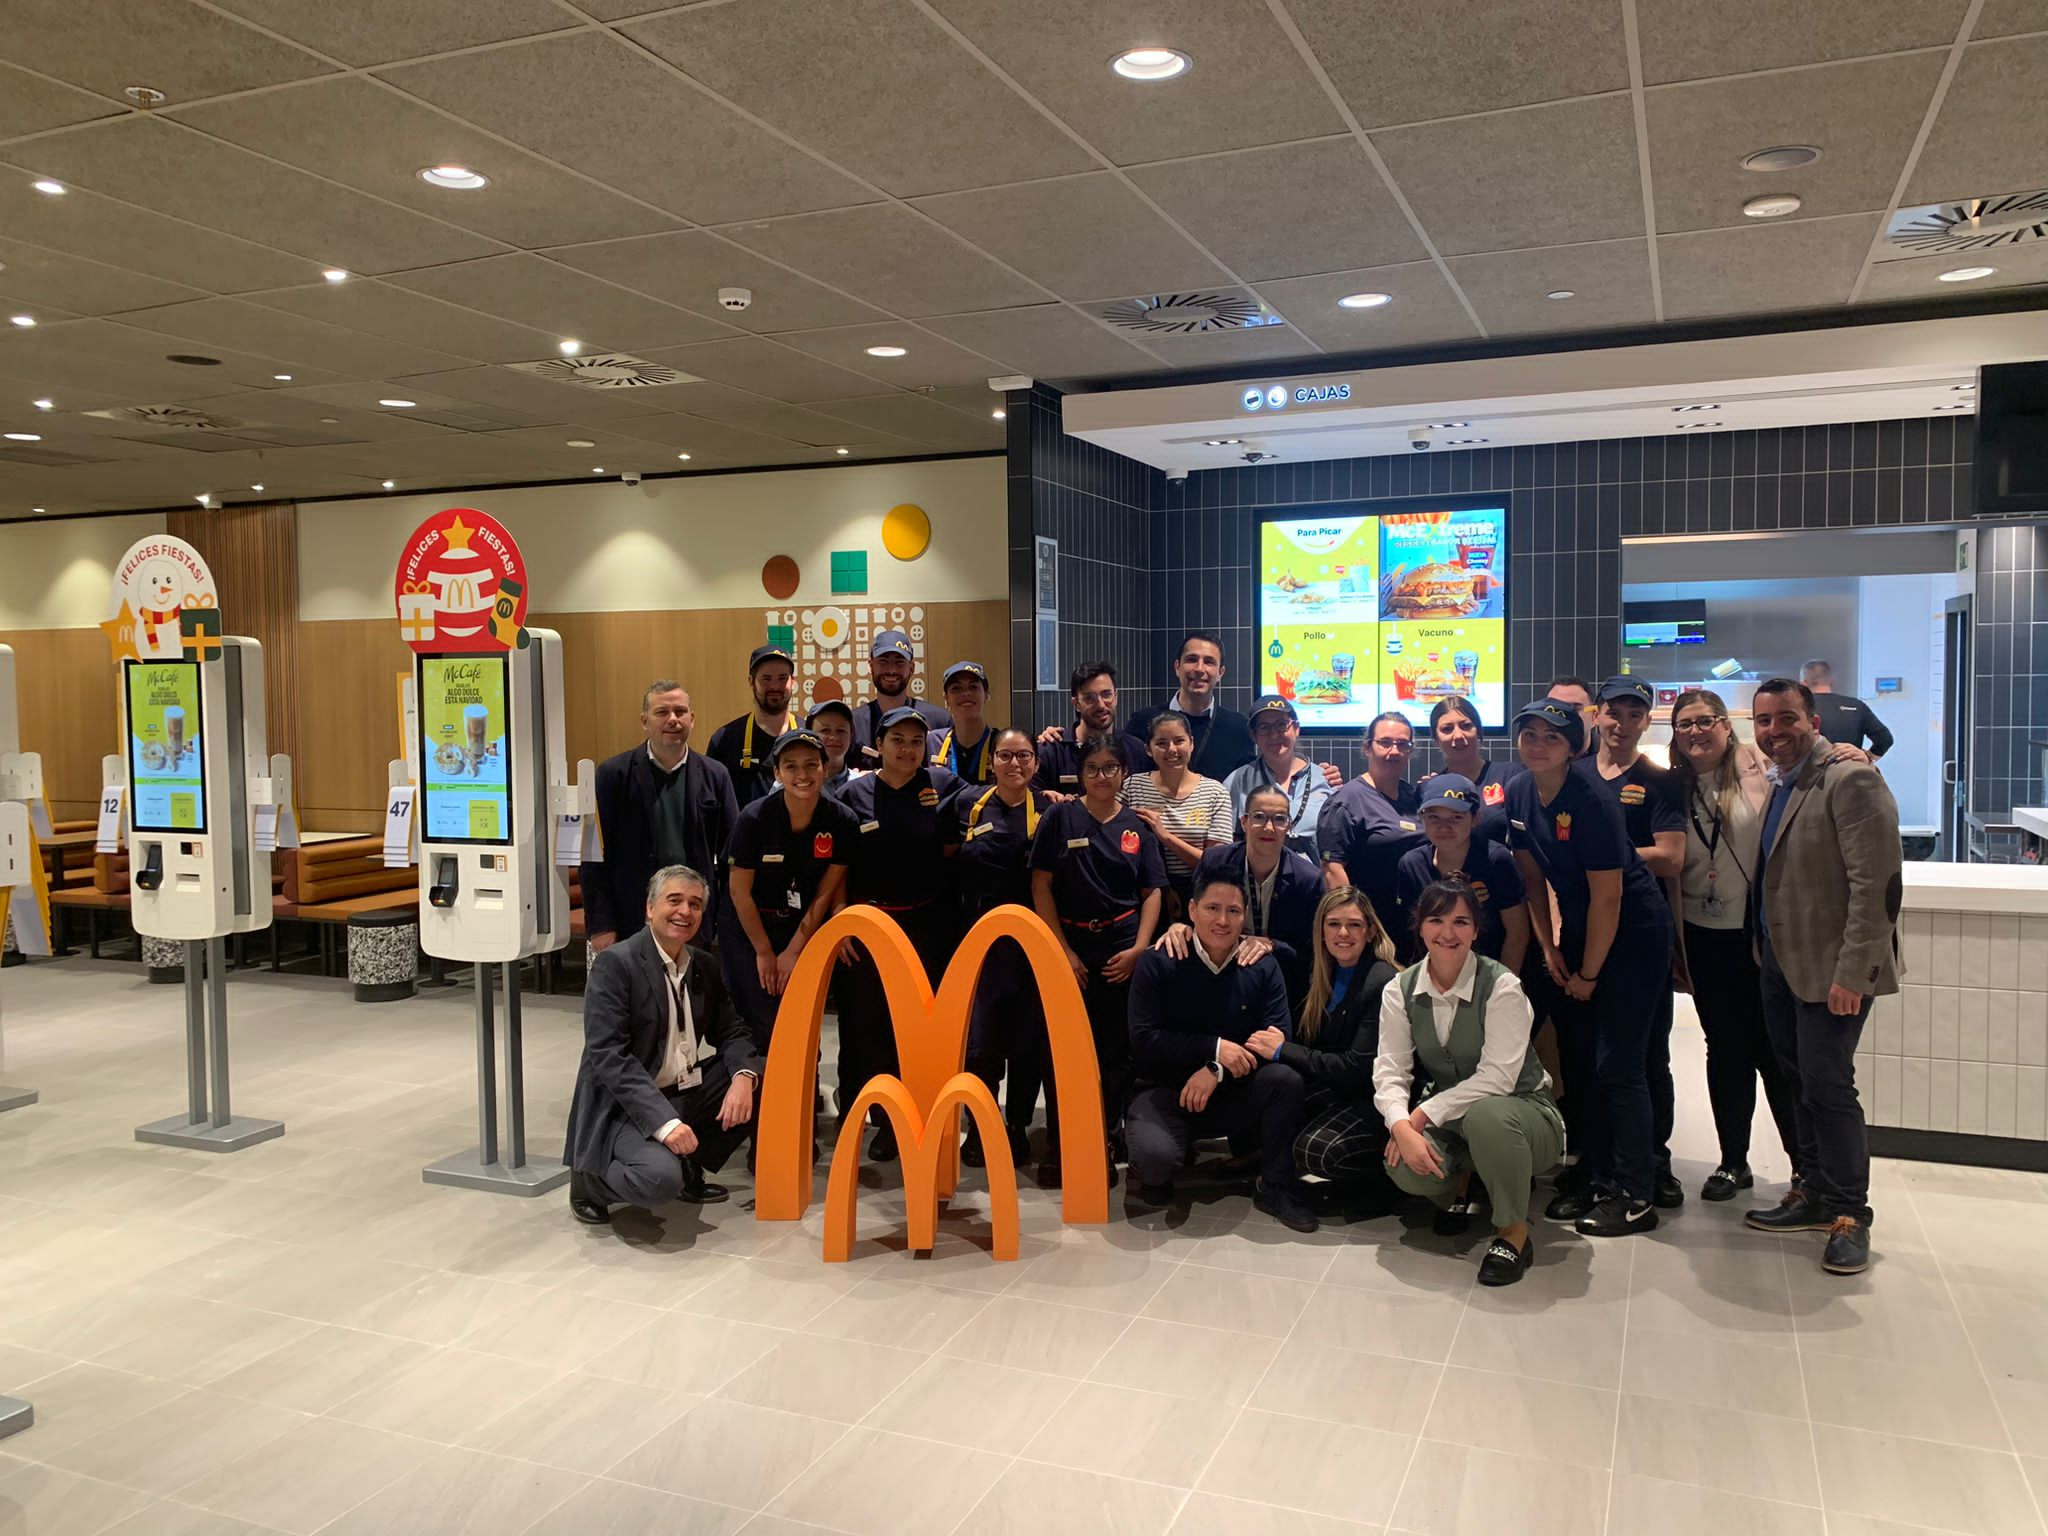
<point>465,767</point>
<point>1362,613</point>
<point>165,763</point>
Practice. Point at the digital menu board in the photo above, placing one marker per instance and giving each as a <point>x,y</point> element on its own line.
<point>1363,611</point>
<point>465,761</point>
<point>165,764</point>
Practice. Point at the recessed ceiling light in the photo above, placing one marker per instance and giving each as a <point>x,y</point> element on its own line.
<point>330,421</point>
<point>1464,442</point>
<point>842,452</point>
<point>1780,157</point>
<point>886,351</point>
<point>390,485</point>
<point>51,405</point>
<point>1221,442</point>
<point>1150,64</point>
<point>1965,274</point>
<point>282,378</point>
<point>1961,389</point>
<point>204,498</point>
<point>255,487</point>
<point>1775,206</point>
<point>570,347</point>
<point>1696,407</point>
<point>35,509</point>
<point>145,96</point>
<point>1446,426</point>
<point>335,275</point>
<point>24,321</point>
<point>398,405</point>
<point>597,469</point>
<point>192,359</point>
<point>1000,415</point>
<point>1364,300</point>
<point>580,442</point>
<point>457,178</point>
<point>683,456</point>
<point>1689,426</point>
<point>1562,293</point>
<point>22,437</point>
<point>1961,406</point>
<point>50,188</point>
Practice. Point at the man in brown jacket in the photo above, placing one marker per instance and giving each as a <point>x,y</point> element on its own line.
<point>1827,911</point>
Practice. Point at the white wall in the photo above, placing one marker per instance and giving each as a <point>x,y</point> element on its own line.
<point>1898,632</point>
<point>684,543</point>
<point>60,574</point>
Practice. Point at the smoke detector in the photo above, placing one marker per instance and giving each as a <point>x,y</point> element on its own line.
<point>1186,314</point>
<point>1973,224</point>
<point>605,370</point>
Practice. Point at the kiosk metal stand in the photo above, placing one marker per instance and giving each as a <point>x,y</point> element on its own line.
<point>204,1127</point>
<point>15,1416</point>
<point>480,1168</point>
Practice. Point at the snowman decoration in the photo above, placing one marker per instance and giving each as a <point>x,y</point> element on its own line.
<point>158,603</point>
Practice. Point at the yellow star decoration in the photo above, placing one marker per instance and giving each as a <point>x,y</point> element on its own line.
<point>459,536</point>
<point>120,630</point>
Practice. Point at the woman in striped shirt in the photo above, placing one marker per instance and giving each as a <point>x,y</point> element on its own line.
<point>1187,811</point>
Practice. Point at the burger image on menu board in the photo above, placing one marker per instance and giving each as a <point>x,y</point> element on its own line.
<point>1436,591</point>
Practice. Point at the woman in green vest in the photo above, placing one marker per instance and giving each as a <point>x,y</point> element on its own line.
<point>1459,1022</point>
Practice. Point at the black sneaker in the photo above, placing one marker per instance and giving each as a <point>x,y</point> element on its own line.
<point>1666,1192</point>
<point>883,1148</point>
<point>1502,1265</point>
<point>1726,1181</point>
<point>1618,1216</point>
<point>1848,1249</point>
<point>1794,1213</point>
<point>1154,1194</point>
<point>1049,1172</point>
<point>1571,1204</point>
<point>1284,1207</point>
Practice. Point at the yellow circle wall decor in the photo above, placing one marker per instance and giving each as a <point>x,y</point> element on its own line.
<point>906,531</point>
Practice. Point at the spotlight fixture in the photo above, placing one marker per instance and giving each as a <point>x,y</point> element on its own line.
<point>1960,406</point>
<point>51,405</point>
<point>50,188</point>
<point>1689,426</point>
<point>1562,293</point>
<point>579,442</point>
<point>1147,65</point>
<point>1444,426</point>
<point>24,321</point>
<point>597,469</point>
<point>282,378</point>
<point>1685,408</point>
<point>335,274</point>
<point>1953,275</point>
<point>887,351</point>
<point>204,498</point>
<point>1221,442</point>
<point>456,178</point>
<point>1464,442</point>
<point>398,405</point>
<point>35,509</point>
<point>683,456</point>
<point>569,347</point>
<point>1000,415</point>
<point>390,485</point>
<point>842,452</point>
<point>1364,300</point>
<point>22,437</point>
<point>1961,389</point>
<point>255,487</point>
<point>1780,157</point>
<point>1775,206</point>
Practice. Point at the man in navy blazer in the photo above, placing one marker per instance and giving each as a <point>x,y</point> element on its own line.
<point>666,1086</point>
<point>658,803</point>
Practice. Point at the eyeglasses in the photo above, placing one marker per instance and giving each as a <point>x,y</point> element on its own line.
<point>1265,818</point>
<point>1102,770</point>
<point>1014,756</point>
<point>1699,723</point>
<point>1394,743</point>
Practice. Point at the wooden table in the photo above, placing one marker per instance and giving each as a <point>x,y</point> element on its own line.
<point>53,848</point>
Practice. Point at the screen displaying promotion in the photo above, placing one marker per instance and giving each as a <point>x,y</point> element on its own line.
<point>465,766</point>
<point>1362,613</point>
<point>165,764</point>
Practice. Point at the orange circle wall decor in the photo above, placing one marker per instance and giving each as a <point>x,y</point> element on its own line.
<point>779,577</point>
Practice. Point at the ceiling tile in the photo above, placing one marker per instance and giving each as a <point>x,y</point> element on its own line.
<point>163,165</point>
<point>1249,85</point>
<point>704,440</point>
<point>619,10</point>
<point>142,352</point>
<point>31,104</point>
<point>1991,135</point>
<point>543,397</point>
<point>792,423</point>
<point>1208,349</point>
<point>2003,18</point>
<point>1050,341</point>
<point>63,281</point>
<point>1511,180</point>
<point>85,225</point>
<point>690,266</point>
<point>344,412</point>
<point>375,31</point>
<point>1863,114</point>
<point>370,137</point>
<point>1424,308</point>
<point>1806,264</point>
<point>922,419</point>
<point>184,50</point>
<point>1287,210</point>
<point>288,339</point>
<point>379,309</point>
<point>871,83</point>
<point>540,293</point>
<point>765,367</point>
<point>595,103</point>
<point>931,363</point>
<point>1610,284</point>
<point>2019,266</point>
<point>1084,237</point>
<point>1683,40</point>
<point>1408,61</point>
<point>888,256</point>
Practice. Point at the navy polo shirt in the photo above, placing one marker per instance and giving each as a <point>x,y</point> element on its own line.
<point>1367,833</point>
<point>994,864</point>
<point>901,837</point>
<point>789,865</point>
<point>1645,794</point>
<point>1580,832</point>
<point>1099,868</point>
<point>1488,868</point>
<point>1059,762</point>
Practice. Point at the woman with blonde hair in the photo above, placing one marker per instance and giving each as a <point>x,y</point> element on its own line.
<point>1342,1139</point>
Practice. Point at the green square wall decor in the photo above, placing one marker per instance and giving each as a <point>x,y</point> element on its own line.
<point>783,635</point>
<point>849,572</point>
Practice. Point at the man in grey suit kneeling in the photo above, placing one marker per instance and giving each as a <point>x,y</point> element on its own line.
<point>665,1089</point>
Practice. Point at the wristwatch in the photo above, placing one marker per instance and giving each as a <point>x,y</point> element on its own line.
<point>1217,1068</point>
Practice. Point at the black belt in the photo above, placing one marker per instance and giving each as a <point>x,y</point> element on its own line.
<point>1096,925</point>
<point>915,906</point>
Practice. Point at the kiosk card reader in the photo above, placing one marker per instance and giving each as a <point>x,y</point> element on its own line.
<point>493,769</point>
<point>198,766</point>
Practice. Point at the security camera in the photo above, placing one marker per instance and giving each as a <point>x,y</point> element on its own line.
<point>1176,474</point>
<point>631,477</point>
<point>735,298</point>
<point>1420,440</point>
<point>1256,453</point>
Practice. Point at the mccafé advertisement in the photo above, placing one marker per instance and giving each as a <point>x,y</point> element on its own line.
<point>1360,614</point>
<point>466,779</point>
<point>165,764</point>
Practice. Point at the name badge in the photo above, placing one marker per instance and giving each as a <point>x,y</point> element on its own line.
<point>771,858</point>
<point>871,826</point>
<point>1519,826</point>
<point>1407,826</point>
<point>1070,778</point>
<point>1077,842</point>
<point>793,900</point>
<point>974,832</point>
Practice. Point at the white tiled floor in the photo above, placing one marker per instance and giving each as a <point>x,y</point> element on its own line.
<point>306,1338</point>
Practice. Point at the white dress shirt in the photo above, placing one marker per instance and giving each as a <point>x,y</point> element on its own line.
<point>679,1068</point>
<point>1500,1057</point>
<point>1217,968</point>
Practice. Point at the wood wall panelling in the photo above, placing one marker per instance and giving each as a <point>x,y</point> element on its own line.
<point>65,690</point>
<point>253,552</point>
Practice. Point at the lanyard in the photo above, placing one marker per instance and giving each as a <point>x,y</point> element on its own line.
<point>1030,813</point>
<point>1255,901</point>
<point>1303,771</point>
<point>1714,842</point>
<point>944,757</point>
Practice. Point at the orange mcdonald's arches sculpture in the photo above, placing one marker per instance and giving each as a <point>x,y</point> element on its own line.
<point>931,1045</point>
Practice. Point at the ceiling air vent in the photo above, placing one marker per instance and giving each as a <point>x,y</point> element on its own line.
<point>605,370</point>
<point>179,417</point>
<point>1184,314</point>
<point>1975,224</point>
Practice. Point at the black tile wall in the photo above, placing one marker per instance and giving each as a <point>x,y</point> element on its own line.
<point>2010,704</point>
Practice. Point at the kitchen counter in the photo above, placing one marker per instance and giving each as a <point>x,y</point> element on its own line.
<point>2031,818</point>
<point>2017,888</point>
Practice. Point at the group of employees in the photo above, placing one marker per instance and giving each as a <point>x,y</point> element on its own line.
<point>1371,989</point>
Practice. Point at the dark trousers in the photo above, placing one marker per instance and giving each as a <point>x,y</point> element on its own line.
<point>1657,1077</point>
<point>1607,1046</point>
<point>1727,992</point>
<point>742,976</point>
<point>867,1030</point>
<point>1109,1022</point>
<point>1261,1109</point>
<point>1006,1034</point>
<point>1816,1053</point>
<point>1343,1141</point>
<point>642,1171</point>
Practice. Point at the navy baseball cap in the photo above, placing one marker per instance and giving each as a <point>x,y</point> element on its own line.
<point>831,707</point>
<point>1556,714</point>
<point>891,642</point>
<point>973,669</point>
<point>1273,704</point>
<point>906,714</point>
<point>769,652</point>
<point>1625,687</point>
<point>802,736</point>
<point>1451,791</point>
